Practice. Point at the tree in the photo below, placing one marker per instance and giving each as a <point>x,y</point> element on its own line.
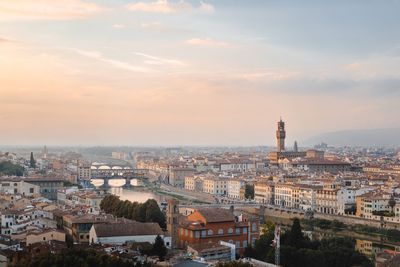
<point>298,251</point>
<point>154,214</point>
<point>32,162</point>
<point>249,191</point>
<point>9,168</point>
<point>392,202</point>
<point>295,237</point>
<point>142,212</point>
<point>159,248</point>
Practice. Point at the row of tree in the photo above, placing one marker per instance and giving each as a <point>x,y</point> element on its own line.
<point>148,211</point>
<point>11,169</point>
<point>74,257</point>
<point>298,250</point>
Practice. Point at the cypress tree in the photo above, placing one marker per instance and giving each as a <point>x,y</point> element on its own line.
<point>159,248</point>
<point>32,162</point>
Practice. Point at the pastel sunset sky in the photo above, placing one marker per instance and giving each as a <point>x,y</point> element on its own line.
<point>189,72</point>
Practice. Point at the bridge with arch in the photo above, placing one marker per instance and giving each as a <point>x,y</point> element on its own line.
<point>108,172</point>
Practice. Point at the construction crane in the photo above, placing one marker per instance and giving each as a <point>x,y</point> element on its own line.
<point>276,243</point>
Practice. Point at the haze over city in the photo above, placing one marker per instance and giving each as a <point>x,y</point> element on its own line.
<point>199,133</point>
<point>116,72</point>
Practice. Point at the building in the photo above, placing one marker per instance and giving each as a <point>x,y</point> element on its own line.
<point>194,183</point>
<point>264,193</point>
<point>215,185</point>
<point>210,251</point>
<point>78,226</point>
<point>173,221</point>
<point>37,236</point>
<point>20,187</point>
<point>17,221</point>
<point>236,165</point>
<point>118,233</point>
<point>281,154</point>
<point>85,172</point>
<point>214,225</point>
<point>287,195</point>
<point>234,186</point>
<point>177,176</point>
<point>280,136</point>
<point>48,186</point>
<point>371,203</point>
<point>327,199</point>
<point>308,197</point>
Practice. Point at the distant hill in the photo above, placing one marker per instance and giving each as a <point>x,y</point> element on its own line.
<point>363,137</point>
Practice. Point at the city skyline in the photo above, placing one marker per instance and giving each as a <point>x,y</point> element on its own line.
<point>195,72</point>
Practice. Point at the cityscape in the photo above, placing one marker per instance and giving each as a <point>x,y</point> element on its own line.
<point>199,133</point>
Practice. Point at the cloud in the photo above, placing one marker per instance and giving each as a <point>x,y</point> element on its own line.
<point>119,26</point>
<point>353,66</point>
<point>47,9</point>
<point>269,75</point>
<point>6,40</point>
<point>153,60</point>
<point>206,7</point>
<point>152,25</point>
<point>206,42</point>
<point>114,63</point>
<point>168,7</point>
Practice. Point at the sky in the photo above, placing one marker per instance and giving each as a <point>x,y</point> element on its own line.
<point>189,72</point>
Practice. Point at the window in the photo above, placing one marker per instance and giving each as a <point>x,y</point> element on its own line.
<point>210,232</point>
<point>254,227</point>
<point>244,230</point>
<point>186,232</point>
<point>237,244</point>
<point>203,233</point>
<point>237,230</point>
<point>245,244</point>
<point>220,231</point>
<point>230,231</point>
<point>197,234</point>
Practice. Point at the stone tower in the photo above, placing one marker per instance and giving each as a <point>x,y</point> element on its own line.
<point>280,136</point>
<point>295,148</point>
<point>172,221</point>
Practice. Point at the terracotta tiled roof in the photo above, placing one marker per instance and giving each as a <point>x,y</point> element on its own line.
<point>127,229</point>
<point>216,215</point>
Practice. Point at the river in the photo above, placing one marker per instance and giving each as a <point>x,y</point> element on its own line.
<point>135,193</point>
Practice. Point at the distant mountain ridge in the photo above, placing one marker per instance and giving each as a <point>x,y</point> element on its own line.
<point>360,137</point>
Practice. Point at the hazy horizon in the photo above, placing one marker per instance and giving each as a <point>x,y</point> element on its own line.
<point>188,72</point>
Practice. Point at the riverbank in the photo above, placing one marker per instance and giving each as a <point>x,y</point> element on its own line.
<point>176,194</point>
